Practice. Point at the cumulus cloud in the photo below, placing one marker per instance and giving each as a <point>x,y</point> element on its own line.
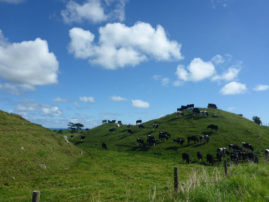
<point>12,1</point>
<point>87,99</point>
<point>233,88</point>
<point>197,70</point>
<point>231,74</point>
<point>261,87</point>
<point>140,104</point>
<point>59,99</point>
<point>118,98</point>
<point>32,106</point>
<point>120,45</point>
<point>94,11</point>
<point>27,64</point>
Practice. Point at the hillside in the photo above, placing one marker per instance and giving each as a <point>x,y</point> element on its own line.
<point>29,150</point>
<point>232,129</point>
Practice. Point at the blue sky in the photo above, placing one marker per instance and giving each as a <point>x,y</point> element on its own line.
<point>89,60</point>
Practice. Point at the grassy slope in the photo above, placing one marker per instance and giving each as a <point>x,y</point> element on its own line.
<point>233,129</point>
<point>24,146</point>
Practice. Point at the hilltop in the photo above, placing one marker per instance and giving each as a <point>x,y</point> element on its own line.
<point>232,129</point>
<point>28,149</point>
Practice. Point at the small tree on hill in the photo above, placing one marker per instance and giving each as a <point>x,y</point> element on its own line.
<point>257,120</point>
<point>75,127</point>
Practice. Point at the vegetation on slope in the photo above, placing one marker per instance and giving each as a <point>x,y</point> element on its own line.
<point>232,129</point>
<point>28,149</point>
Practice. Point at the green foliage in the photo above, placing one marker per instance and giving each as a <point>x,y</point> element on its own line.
<point>257,120</point>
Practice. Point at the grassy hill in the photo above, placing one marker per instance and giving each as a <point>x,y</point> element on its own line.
<point>27,149</point>
<point>232,129</point>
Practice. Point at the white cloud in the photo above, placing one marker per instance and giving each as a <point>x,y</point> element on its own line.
<point>177,83</point>
<point>196,71</point>
<point>87,99</point>
<point>231,74</point>
<point>51,110</point>
<point>218,59</point>
<point>12,1</point>
<point>34,107</point>
<point>59,99</point>
<point>27,63</point>
<point>164,80</point>
<point>120,45</point>
<point>140,104</point>
<point>94,11</point>
<point>118,98</point>
<point>261,87</point>
<point>222,3</point>
<point>233,88</point>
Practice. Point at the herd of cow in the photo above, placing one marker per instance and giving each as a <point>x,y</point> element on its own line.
<point>236,153</point>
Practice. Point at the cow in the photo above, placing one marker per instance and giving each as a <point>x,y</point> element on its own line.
<point>138,122</point>
<point>266,153</point>
<point>151,140</point>
<point>212,106</point>
<point>104,145</point>
<point>112,130</point>
<point>82,137</point>
<point>192,138</point>
<point>164,135</point>
<point>235,147</point>
<point>179,140</point>
<point>199,156</point>
<point>113,121</point>
<point>130,131</point>
<point>204,137</point>
<point>247,146</point>
<point>210,159</point>
<point>119,122</point>
<point>186,157</point>
<point>104,121</point>
<point>118,125</point>
<point>155,125</point>
<point>213,127</point>
<point>140,141</point>
<point>196,110</point>
<point>141,126</point>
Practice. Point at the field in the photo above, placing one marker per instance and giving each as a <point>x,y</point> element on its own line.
<point>127,171</point>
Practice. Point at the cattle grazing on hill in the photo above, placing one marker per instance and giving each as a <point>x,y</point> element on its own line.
<point>138,122</point>
<point>213,127</point>
<point>196,110</point>
<point>210,159</point>
<point>186,157</point>
<point>140,141</point>
<point>247,146</point>
<point>104,121</point>
<point>119,122</point>
<point>199,156</point>
<point>164,136</point>
<point>113,121</point>
<point>185,107</point>
<point>151,140</point>
<point>212,106</point>
<point>179,140</point>
<point>192,138</point>
<point>104,145</point>
<point>205,138</point>
<point>266,153</point>
<point>235,147</point>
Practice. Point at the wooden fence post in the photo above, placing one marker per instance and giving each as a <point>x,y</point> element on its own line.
<point>225,167</point>
<point>175,179</point>
<point>36,196</point>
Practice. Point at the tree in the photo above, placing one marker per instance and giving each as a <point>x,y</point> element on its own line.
<point>257,120</point>
<point>75,127</point>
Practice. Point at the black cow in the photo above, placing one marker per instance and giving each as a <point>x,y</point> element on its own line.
<point>119,122</point>
<point>138,122</point>
<point>204,137</point>
<point>130,131</point>
<point>212,106</point>
<point>210,159</point>
<point>141,126</point>
<point>104,121</point>
<point>247,146</point>
<point>266,153</point>
<point>199,156</point>
<point>113,121</point>
<point>186,157</point>
<point>112,129</point>
<point>196,110</point>
<point>164,135</point>
<point>104,145</point>
<point>213,127</point>
<point>235,147</point>
<point>82,137</point>
<point>192,138</point>
<point>140,141</point>
<point>155,125</point>
<point>151,140</point>
<point>179,140</point>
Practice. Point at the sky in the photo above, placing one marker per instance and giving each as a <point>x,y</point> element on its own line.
<point>90,60</point>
